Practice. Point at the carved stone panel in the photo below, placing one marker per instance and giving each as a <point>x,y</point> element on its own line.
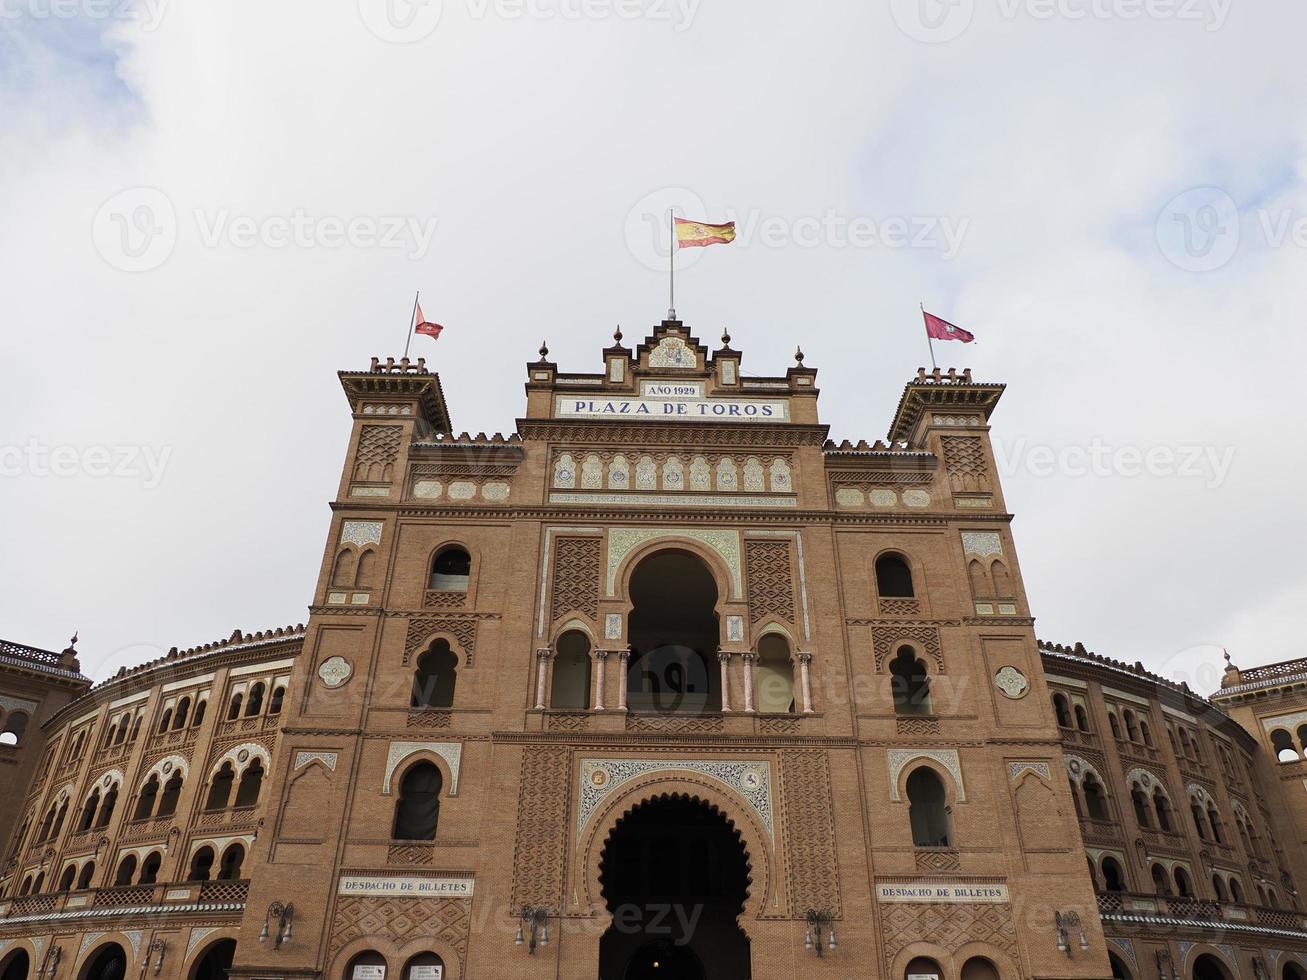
<point>809,831</point>
<point>541,845</point>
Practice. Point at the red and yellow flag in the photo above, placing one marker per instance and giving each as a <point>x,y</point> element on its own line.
<point>696,234</point>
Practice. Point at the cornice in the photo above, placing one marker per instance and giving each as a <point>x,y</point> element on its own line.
<point>688,432</point>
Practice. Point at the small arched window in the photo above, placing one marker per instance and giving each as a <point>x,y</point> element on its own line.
<point>1131,729</point>
<point>1214,821</point>
<point>417,811</point>
<point>571,680</point>
<point>68,878</point>
<point>893,577</point>
<point>150,869</point>
<point>255,704</point>
<point>1186,749</point>
<point>124,724</point>
<point>126,871</point>
<point>15,728</point>
<point>1161,882</point>
<point>234,709</point>
<point>1282,743</point>
<point>136,727</point>
<point>1114,725</point>
<point>1236,891</point>
<point>220,788</point>
<point>1162,806</point>
<point>1082,718</point>
<point>1061,710</point>
<point>232,860</point>
<point>183,712</point>
<point>1183,886</point>
<point>86,875</point>
<point>1113,877</point>
<point>247,794</point>
<point>88,810</point>
<point>40,883</point>
<point>106,808</point>
<point>1140,800</point>
<point>27,887</point>
<point>199,714</point>
<point>59,819</point>
<point>1095,797</point>
<point>435,677</point>
<point>775,680</point>
<point>451,570</point>
<point>1218,888</point>
<point>928,809</point>
<point>201,865</point>
<point>172,792</point>
<point>910,683</point>
<point>278,698</point>
<point>165,720</point>
<point>1200,823</point>
<point>923,967</point>
<point>1145,733</point>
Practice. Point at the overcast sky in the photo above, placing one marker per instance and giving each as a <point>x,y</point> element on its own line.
<point>206,209</point>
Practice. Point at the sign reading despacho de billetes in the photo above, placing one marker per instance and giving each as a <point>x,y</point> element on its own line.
<point>669,407</point>
<point>940,892</point>
<point>405,886</point>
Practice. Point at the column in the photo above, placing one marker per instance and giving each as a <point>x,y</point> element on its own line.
<point>805,677</point>
<point>542,676</point>
<point>724,659</point>
<point>601,658</point>
<point>624,664</point>
<point>748,682</point>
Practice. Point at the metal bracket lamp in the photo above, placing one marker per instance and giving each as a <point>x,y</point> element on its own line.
<point>1067,923</point>
<point>157,947</point>
<point>285,915</point>
<point>532,920</point>
<point>817,921</point>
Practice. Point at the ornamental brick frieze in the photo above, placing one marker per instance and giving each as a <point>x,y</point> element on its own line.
<point>658,433</point>
<point>401,920</point>
<point>769,572</point>
<point>885,640</point>
<point>422,628</point>
<point>576,575</point>
<point>541,845</point>
<point>951,926</point>
<point>809,823</point>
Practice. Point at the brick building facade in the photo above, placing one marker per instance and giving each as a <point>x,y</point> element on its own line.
<point>664,684</point>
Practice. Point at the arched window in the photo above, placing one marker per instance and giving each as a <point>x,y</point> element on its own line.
<point>1282,743</point>
<point>1161,882</point>
<point>109,735</point>
<point>126,871</point>
<point>1093,872</point>
<point>1119,970</point>
<point>430,960</point>
<point>1061,710</point>
<point>928,809</point>
<point>1186,749</point>
<point>47,825</point>
<point>1218,888</point>
<point>1113,877</point>
<point>775,681</point>
<point>232,860</point>
<point>923,967</point>
<point>1183,886</point>
<point>979,581</point>
<point>1200,824</point>
<point>201,865</point>
<point>1145,733</point>
<point>910,683</point>
<point>571,681</point>
<point>1095,798</point>
<point>435,677</point>
<point>255,704</point>
<point>893,577</point>
<point>345,571</point>
<point>234,709</point>
<point>59,819</point>
<point>165,720</point>
<point>86,875</point>
<point>39,884</point>
<point>88,810</point>
<point>150,869</point>
<point>1140,800</point>
<point>417,811</point>
<point>451,570</point>
<point>220,788</point>
<point>1115,725</point>
<point>278,697</point>
<point>15,728</point>
<point>1236,891</point>
<point>67,879</point>
<point>1214,821</point>
<point>183,712</point>
<point>1163,808</point>
<point>247,794</point>
<point>979,968</point>
<point>369,958</point>
<point>1082,719</point>
<point>199,714</point>
<point>172,791</point>
<point>1131,729</point>
<point>27,887</point>
<point>136,726</point>
<point>124,725</point>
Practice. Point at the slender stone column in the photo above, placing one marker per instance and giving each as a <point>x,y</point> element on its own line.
<point>601,658</point>
<point>805,677</point>
<point>623,665</point>
<point>725,659</point>
<point>748,682</point>
<point>542,676</point>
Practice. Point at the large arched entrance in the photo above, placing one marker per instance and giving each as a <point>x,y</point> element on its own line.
<point>1208,967</point>
<point>109,963</point>
<point>674,635</point>
<point>17,967</point>
<point>675,876</point>
<point>214,963</point>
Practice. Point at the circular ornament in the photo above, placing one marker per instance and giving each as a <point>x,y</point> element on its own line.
<point>335,671</point>
<point>1011,682</point>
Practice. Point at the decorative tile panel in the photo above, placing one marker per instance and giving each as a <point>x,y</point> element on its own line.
<point>1015,769</point>
<point>361,533</point>
<point>623,540</point>
<point>948,758</point>
<point>982,543</point>
<point>451,752</point>
<point>302,759</point>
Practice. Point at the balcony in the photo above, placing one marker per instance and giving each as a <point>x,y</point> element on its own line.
<point>246,726</point>
<point>1099,831</point>
<point>1230,913</point>
<point>139,830</point>
<point>235,818</point>
<point>112,753</point>
<point>181,739</point>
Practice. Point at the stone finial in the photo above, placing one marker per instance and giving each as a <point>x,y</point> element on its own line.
<point>798,355</point>
<point>1232,677</point>
<point>726,337</point>
<point>68,658</point>
<point>544,352</point>
<point>617,334</point>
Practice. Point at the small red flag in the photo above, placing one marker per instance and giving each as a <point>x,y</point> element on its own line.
<point>938,329</point>
<point>431,330</point>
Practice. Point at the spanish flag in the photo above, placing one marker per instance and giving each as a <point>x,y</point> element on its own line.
<point>696,234</point>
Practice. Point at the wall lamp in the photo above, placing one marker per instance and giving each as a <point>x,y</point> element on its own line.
<point>817,921</point>
<point>1163,957</point>
<point>1067,923</point>
<point>157,947</point>
<point>285,915</point>
<point>536,919</point>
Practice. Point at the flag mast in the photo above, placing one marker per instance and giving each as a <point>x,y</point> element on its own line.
<point>412,322</point>
<point>671,264</point>
<point>929,342</point>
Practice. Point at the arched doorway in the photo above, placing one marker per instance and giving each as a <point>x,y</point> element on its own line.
<point>1208,967</point>
<point>109,963</point>
<point>1292,971</point>
<point>214,963</point>
<point>1119,970</point>
<point>675,876</point>
<point>674,635</point>
<point>424,966</point>
<point>17,966</point>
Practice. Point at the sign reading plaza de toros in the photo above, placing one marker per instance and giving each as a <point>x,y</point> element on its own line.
<point>683,401</point>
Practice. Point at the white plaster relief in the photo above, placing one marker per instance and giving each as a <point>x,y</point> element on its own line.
<point>451,752</point>
<point>623,540</point>
<point>360,533</point>
<point>948,758</point>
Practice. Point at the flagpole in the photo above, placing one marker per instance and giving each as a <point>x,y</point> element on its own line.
<point>412,322</point>
<point>671,264</point>
<point>929,342</point>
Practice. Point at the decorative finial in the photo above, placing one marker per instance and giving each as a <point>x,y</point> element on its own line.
<point>73,641</point>
<point>544,351</point>
<point>617,334</point>
<point>726,337</point>
<point>798,354</point>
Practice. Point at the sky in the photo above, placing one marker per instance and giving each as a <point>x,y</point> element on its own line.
<point>206,210</point>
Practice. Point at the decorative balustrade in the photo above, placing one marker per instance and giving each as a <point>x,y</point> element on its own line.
<point>1099,831</point>
<point>179,739</point>
<point>1134,903</point>
<point>124,896</point>
<point>235,818</point>
<point>247,726</point>
<point>112,753</point>
<point>32,905</point>
<point>429,718</point>
<point>139,830</point>
<point>213,892</point>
